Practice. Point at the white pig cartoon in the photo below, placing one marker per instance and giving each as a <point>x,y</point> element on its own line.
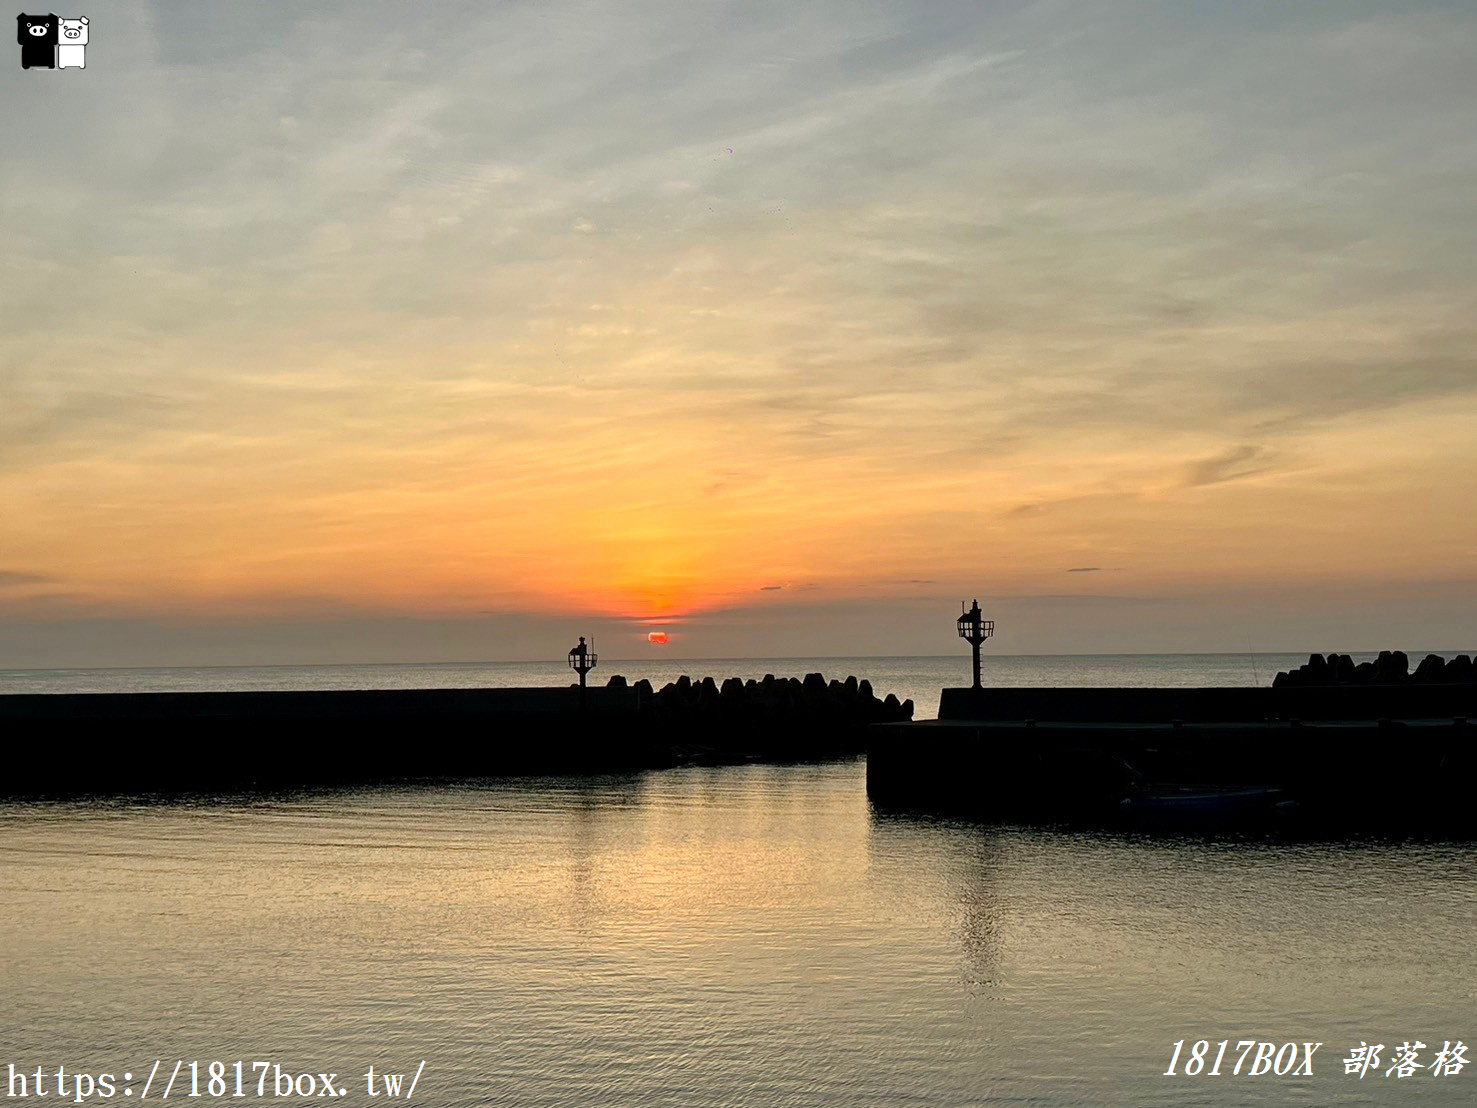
<point>71,50</point>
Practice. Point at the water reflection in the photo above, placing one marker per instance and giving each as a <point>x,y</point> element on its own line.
<point>1096,948</point>
<point>740,935</point>
<point>592,805</point>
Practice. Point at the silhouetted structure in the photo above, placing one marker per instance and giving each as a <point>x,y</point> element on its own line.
<point>1298,754</point>
<point>76,743</point>
<point>1392,667</point>
<point>974,630</point>
<point>582,660</point>
<point>782,718</point>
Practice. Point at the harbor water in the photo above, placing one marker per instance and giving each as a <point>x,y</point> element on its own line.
<point>742,935</point>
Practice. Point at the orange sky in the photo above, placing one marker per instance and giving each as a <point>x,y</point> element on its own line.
<point>974,307</point>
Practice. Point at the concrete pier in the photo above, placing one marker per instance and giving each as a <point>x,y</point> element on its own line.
<point>68,744</point>
<point>1384,759</point>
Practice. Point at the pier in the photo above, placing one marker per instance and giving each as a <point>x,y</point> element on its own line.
<point>1388,758</point>
<point>1330,746</point>
<point>69,744</point>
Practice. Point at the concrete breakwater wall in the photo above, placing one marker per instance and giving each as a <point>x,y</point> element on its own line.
<point>1283,702</point>
<point>1380,757</point>
<point>127,742</point>
<point>1393,777</point>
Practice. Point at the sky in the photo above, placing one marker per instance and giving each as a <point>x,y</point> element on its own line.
<point>381,332</point>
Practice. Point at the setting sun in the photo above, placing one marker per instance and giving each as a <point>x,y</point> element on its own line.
<point>659,638</point>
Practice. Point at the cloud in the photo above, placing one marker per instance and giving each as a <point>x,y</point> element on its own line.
<point>14,577</point>
<point>1085,569</point>
<point>1234,464</point>
<point>1086,501</point>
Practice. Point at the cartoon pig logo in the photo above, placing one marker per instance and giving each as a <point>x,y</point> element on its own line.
<point>71,49</point>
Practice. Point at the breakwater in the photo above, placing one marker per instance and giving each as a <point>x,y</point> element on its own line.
<point>1387,758</point>
<point>776,716</point>
<point>1392,667</point>
<point>68,744</point>
<point>1230,704</point>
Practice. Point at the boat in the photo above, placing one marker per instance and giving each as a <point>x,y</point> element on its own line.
<point>1193,805</point>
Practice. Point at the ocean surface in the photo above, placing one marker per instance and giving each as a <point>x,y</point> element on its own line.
<point>918,679</point>
<point>731,936</point>
<point>736,936</point>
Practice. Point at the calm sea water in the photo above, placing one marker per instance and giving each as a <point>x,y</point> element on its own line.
<point>745,936</point>
<point>917,678</point>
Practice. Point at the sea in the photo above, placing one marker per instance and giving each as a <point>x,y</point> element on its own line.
<point>714,936</point>
<point>911,678</point>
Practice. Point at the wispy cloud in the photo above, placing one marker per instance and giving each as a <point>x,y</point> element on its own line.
<point>10,578</point>
<point>1232,465</point>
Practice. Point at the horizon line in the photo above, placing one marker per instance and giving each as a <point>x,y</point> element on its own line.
<point>964,658</point>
